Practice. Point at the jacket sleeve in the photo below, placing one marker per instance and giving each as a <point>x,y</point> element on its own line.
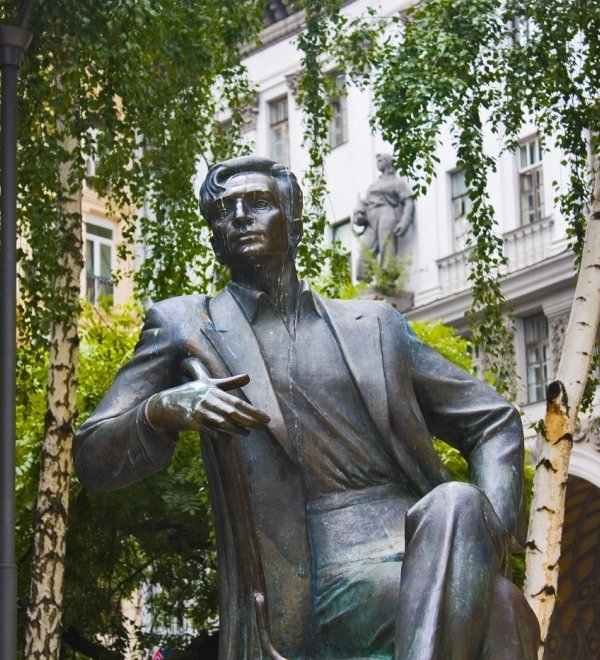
<point>472,417</point>
<point>116,446</point>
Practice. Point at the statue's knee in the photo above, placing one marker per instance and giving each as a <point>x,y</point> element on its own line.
<point>456,495</point>
<point>457,514</point>
<point>450,503</point>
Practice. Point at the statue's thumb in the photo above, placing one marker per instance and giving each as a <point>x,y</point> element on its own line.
<point>231,383</point>
<point>194,370</point>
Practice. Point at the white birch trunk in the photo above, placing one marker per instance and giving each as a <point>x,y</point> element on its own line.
<point>563,401</point>
<point>44,612</point>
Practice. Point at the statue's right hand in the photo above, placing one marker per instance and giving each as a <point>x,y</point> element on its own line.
<point>204,403</point>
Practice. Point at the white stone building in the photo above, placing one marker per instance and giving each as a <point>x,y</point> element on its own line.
<point>539,281</point>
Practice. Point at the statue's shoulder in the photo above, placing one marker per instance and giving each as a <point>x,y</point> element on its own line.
<point>175,310</point>
<point>181,302</point>
<point>362,307</point>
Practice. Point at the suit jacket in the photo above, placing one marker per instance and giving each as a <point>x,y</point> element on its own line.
<point>410,391</point>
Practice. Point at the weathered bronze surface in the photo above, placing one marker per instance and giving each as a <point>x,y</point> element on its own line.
<point>338,533</point>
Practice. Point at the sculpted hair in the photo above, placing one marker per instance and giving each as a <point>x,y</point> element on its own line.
<point>290,193</point>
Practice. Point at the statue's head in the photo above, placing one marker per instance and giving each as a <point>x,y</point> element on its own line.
<point>254,209</point>
<point>385,163</point>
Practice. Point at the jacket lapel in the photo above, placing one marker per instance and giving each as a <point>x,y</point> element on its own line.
<point>359,339</point>
<point>233,338</point>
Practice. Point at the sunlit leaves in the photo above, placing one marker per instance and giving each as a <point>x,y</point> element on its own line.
<point>157,534</point>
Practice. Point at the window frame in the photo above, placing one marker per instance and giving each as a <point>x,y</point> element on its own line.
<point>459,239</point>
<point>535,389</point>
<point>96,283</point>
<point>532,170</point>
<point>338,128</point>
<point>276,124</point>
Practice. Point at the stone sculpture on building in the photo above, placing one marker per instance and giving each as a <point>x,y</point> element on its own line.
<point>383,217</point>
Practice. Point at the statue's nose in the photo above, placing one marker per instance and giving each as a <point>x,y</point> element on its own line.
<point>242,213</point>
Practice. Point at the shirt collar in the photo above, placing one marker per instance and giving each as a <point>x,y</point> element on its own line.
<point>252,301</point>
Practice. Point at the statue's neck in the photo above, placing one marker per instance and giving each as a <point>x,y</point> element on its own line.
<point>279,283</point>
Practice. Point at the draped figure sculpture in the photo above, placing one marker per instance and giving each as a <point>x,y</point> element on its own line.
<point>338,532</point>
<point>383,217</point>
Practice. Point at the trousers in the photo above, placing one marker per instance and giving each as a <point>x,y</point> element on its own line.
<point>402,579</point>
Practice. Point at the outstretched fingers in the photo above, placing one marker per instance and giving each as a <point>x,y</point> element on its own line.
<point>228,413</point>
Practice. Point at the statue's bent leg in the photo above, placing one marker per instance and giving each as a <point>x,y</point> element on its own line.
<point>514,631</point>
<point>455,549</point>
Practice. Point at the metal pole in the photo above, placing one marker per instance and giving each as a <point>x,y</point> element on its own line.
<point>14,40</point>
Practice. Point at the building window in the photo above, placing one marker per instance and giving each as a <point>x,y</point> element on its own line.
<point>531,181</point>
<point>279,131</point>
<point>477,360</point>
<point>89,146</point>
<point>537,356</point>
<point>99,250</point>
<point>338,127</point>
<point>461,207</point>
<point>342,233</point>
<point>90,167</point>
<point>523,30</point>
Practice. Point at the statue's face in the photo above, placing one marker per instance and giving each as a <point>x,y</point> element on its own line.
<point>249,225</point>
<point>383,162</point>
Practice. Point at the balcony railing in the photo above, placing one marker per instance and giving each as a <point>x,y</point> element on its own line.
<point>98,286</point>
<point>528,245</point>
<point>524,246</point>
<point>453,272</point>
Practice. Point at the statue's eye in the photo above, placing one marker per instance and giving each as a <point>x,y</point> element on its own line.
<point>261,205</point>
<point>223,211</point>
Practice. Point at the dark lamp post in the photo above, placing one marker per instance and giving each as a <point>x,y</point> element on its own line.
<point>14,40</point>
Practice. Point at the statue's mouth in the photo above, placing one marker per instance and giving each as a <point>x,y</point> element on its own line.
<point>249,237</point>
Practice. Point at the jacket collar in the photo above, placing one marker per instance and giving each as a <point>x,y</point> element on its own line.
<point>252,301</point>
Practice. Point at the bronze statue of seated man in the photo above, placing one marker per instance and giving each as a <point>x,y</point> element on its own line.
<point>338,532</point>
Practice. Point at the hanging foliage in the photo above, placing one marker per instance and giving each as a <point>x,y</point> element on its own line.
<point>334,53</point>
<point>139,87</point>
<point>488,67</point>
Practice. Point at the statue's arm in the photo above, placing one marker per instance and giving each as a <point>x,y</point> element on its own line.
<point>359,216</point>
<point>408,211</point>
<point>472,417</point>
<point>116,445</point>
<point>162,391</point>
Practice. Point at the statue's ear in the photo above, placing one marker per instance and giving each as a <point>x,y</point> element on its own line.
<point>295,231</point>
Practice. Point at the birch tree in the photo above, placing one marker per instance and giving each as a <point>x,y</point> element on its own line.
<point>564,397</point>
<point>143,75</point>
<point>47,566</point>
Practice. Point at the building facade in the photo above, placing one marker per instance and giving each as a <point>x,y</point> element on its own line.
<point>102,236</point>
<point>538,283</point>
